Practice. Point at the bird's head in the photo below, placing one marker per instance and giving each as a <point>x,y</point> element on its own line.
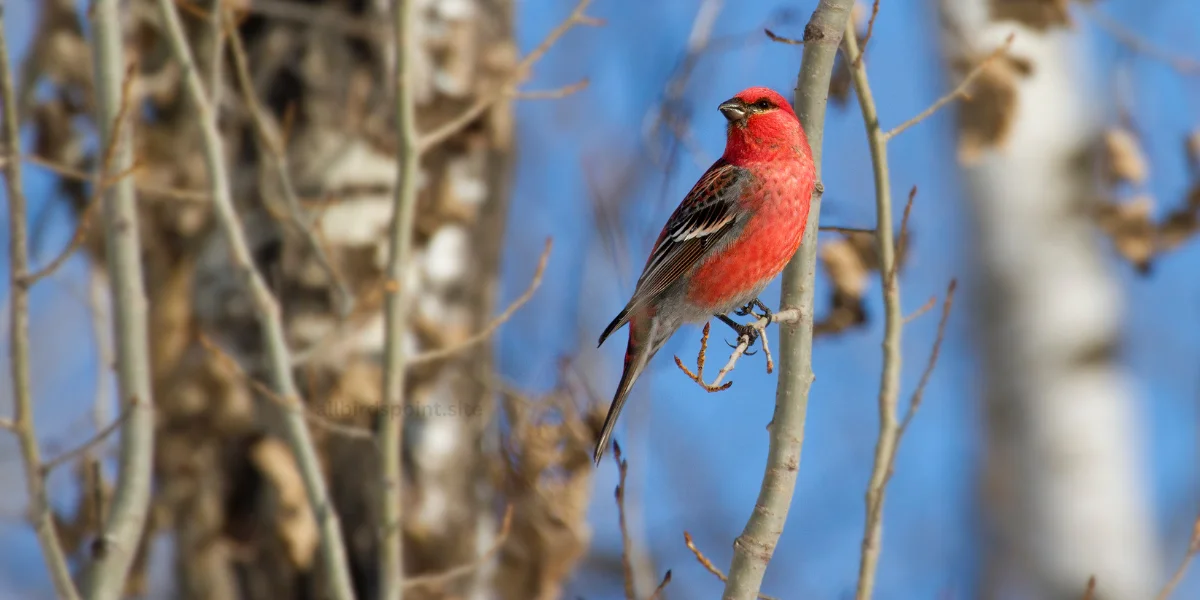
<point>761,123</point>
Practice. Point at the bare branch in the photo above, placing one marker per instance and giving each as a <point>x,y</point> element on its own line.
<point>753,549</point>
<point>919,393</point>
<point>88,444</point>
<point>781,39</point>
<point>916,314</point>
<point>349,431</point>
<point>100,185</point>
<point>397,300</point>
<point>958,92</point>
<point>889,384</point>
<point>495,323</point>
<point>115,550</point>
<point>333,551</point>
<point>147,190</point>
<point>271,139</point>
<point>509,89</point>
<point>1183,64</point>
<point>554,94</point>
<point>870,31</point>
<point>698,376</point>
<point>1192,551</point>
<point>22,422</point>
<point>465,569</point>
<point>658,591</point>
<point>626,542</point>
<point>707,564</point>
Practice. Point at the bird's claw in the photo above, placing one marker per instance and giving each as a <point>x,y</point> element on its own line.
<point>748,309</point>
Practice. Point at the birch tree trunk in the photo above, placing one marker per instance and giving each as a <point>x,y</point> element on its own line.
<point>227,488</point>
<point>1064,492</point>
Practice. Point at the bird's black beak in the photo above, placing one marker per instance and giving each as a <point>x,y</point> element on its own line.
<point>734,110</point>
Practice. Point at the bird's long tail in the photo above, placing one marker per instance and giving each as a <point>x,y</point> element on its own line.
<point>645,338</point>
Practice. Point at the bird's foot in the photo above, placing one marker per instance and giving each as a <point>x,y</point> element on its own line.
<point>747,331</point>
<point>748,309</point>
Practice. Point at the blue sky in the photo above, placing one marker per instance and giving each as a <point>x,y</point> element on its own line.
<point>696,457</point>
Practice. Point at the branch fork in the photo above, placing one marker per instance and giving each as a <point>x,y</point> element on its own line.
<point>759,325</point>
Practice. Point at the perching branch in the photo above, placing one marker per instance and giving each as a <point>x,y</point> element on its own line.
<point>22,393</point>
<point>113,553</point>
<point>333,552</point>
<point>889,385</point>
<point>753,549</point>
<point>626,542</point>
<point>398,297</point>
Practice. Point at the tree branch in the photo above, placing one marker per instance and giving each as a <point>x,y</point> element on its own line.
<point>333,551</point>
<point>707,564</point>
<point>114,551</point>
<point>272,141</point>
<point>398,297</point>
<point>495,323</point>
<point>22,421</point>
<point>959,92</point>
<point>1192,550</point>
<point>889,385</point>
<point>755,546</point>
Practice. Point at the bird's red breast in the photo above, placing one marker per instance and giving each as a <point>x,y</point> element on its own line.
<point>773,149</point>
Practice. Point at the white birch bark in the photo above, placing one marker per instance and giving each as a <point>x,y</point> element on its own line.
<point>1065,494</point>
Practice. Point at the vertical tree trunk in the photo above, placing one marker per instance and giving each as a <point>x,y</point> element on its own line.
<point>1065,497</point>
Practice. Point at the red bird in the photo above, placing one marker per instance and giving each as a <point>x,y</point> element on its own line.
<point>731,235</point>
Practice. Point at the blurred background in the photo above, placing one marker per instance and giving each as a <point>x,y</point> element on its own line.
<point>1057,438</point>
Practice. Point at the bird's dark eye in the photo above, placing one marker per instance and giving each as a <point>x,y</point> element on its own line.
<point>763,104</point>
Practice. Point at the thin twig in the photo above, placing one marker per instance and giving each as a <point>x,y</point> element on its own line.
<point>398,297</point>
<point>349,431</point>
<point>958,92</point>
<point>266,308</point>
<point>902,239</point>
<point>1089,591</point>
<point>466,568</point>
<point>1183,64</point>
<point>22,423</point>
<point>781,39</point>
<point>88,444</point>
<point>707,564</point>
<point>870,31</point>
<point>67,172</point>
<point>100,185</point>
<point>919,393</point>
<point>920,311</point>
<point>271,140</point>
<point>626,542</point>
<point>1192,551</point>
<point>495,323</point>
<point>753,549</point>
<point>508,89</point>
<point>553,94</point>
<point>658,591</point>
<point>889,384</point>
<point>115,550</point>
<point>698,376</point>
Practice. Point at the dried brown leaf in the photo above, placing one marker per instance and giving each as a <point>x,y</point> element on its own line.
<point>294,520</point>
<point>986,116</point>
<point>1124,161</point>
